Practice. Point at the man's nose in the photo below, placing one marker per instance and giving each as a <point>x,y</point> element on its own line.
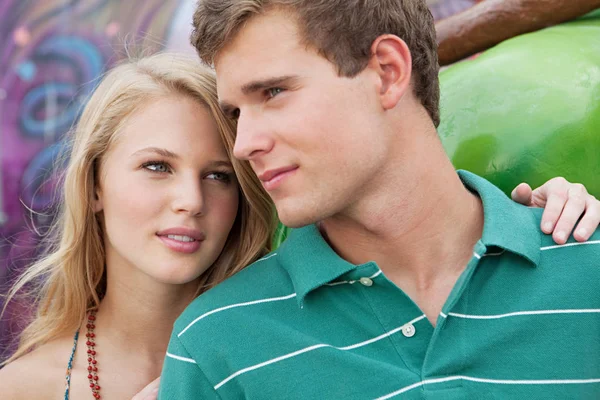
<point>252,138</point>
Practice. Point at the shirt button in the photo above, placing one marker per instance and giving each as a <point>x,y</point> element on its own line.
<point>409,331</point>
<point>366,281</point>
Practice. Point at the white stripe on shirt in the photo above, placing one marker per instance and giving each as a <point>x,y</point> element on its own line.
<point>248,303</point>
<point>188,360</point>
<point>492,381</point>
<point>569,245</point>
<point>314,347</point>
<point>520,313</point>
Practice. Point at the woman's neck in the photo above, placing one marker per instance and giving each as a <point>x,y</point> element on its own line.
<point>137,314</point>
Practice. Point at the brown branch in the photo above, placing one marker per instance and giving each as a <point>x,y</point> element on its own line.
<point>492,21</point>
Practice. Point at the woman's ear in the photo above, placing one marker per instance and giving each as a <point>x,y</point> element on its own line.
<point>97,204</point>
<point>97,200</point>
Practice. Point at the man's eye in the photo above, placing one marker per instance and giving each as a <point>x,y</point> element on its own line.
<point>157,166</point>
<point>274,92</point>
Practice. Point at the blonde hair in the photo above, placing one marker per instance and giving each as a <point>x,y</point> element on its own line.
<point>71,275</point>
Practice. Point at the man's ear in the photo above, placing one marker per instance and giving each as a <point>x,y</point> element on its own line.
<point>392,61</point>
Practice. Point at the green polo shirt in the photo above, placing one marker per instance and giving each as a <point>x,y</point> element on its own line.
<point>522,322</point>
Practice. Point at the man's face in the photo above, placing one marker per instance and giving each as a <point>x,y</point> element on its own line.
<point>312,137</point>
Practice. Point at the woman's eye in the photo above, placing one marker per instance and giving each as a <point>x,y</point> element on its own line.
<point>274,92</point>
<point>220,176</point>
<point>157,167</point>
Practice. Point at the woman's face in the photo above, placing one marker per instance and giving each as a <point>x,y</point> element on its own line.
<point>167,193</point>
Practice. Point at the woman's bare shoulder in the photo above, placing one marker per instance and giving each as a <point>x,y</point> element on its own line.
<point>15,378</point>
<point>39,374</point>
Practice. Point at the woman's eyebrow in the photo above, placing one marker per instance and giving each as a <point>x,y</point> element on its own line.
<point>220,163</point>
<point>157,150</point>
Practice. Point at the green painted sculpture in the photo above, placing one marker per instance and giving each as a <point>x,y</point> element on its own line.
<point>529,108</point>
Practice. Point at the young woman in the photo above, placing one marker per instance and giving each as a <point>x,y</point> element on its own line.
<point>155,212</point>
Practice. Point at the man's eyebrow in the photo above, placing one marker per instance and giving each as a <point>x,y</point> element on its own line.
<point>157,150</point>
<point>263,84</point>
<point>256,86</point>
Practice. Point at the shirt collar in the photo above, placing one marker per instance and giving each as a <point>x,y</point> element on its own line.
<point>311,262</point>
<point>506,224</point>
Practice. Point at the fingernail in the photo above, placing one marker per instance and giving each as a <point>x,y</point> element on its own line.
<point>548,227</point>
<point>561,236</point>
<point>582,232</point>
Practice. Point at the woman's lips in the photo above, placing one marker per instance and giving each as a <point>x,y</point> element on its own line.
<point>181,246</point>
<point>182,239</point>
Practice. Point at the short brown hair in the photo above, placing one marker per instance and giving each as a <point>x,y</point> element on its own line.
<point>341,30</point>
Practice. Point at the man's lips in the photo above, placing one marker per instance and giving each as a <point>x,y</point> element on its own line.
<point>273,177</point>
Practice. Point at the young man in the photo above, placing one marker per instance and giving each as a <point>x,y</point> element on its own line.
<point>404,278</point>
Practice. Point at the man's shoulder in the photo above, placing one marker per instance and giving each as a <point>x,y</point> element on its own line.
<point>571,270</point>
<point>589,249</point>
<point>262,281</point>
<point>585,251</point>
<point>592,245</point>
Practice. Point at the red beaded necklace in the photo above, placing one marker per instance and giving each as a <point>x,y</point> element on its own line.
<point>92,364</point>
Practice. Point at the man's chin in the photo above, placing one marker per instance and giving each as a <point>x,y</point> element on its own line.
<point>296,218</point>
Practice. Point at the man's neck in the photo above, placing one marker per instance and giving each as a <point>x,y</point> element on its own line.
<point>419,226</point>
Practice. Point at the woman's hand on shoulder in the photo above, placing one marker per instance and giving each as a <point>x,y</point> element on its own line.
<point>565,205</point>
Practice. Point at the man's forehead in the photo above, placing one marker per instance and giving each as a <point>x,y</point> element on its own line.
<point>263,38</point>
<point>253,56</point>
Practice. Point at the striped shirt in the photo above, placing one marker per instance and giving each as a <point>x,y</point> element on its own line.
<point>522,322</point>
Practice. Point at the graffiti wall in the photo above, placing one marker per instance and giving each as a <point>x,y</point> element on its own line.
<point>52,53</point>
